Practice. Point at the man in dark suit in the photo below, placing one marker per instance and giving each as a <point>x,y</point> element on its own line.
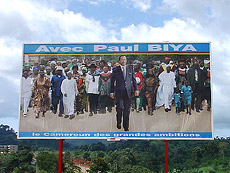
<point>123,84</point>
<point>195,77</point>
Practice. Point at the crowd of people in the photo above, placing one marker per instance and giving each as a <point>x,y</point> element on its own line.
<point>80,85</point>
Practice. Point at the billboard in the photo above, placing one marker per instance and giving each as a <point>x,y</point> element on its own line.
<point>116,90</point>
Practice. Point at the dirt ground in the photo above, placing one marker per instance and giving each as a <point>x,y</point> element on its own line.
<point>160,121</point>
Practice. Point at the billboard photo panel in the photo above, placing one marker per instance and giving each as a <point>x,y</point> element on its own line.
<point>116,90</point>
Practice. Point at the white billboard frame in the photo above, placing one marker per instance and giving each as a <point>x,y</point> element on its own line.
<point>103,49</point>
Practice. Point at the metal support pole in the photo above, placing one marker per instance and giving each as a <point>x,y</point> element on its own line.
<point>60,155</point>
<point>166,156</point>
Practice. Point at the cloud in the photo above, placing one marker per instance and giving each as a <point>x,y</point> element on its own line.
<point>9,102</point>
<point>173,30</point>
<point>2,101</point>
<point>38,23</point>
<point>212,15</point>
<point>142,5</point>
<point>57,5</point>
<point>97,2</point>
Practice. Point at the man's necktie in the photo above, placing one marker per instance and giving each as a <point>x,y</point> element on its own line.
<point>123,69</point>
<point>196,75</point>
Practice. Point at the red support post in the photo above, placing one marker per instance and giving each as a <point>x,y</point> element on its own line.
<point>60,155</point>
<point>166,156</point>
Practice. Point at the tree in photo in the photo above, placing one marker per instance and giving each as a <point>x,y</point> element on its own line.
<point>99,165</point>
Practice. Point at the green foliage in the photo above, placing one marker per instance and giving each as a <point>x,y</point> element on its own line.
<point>136,169</point>
<point>86,156</point>
<point>67,155</point>
<point>100,154</point>
<point>76,154</point>
<point>117,157</point>
<point>99,165</point>
<point>18,162</point>
<point>47,161</point>
<point>41,171</point>
<point>197,154</point>
<point>8,137</point>
<point>211,149</point>
<point>97,147</point>
<point>70,167</point>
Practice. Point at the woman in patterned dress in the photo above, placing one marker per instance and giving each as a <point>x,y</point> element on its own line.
<point>150,87</point>
<point>40,95</point>
<point>82,92</point>
<point>104,88</point>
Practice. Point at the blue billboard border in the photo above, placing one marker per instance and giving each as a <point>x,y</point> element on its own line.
<point>116,48</point>
<point>117,135</point>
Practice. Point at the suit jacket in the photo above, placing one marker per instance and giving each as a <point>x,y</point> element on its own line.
<point>56,84</point>
<point>119,85</point>
<point>191,78</point>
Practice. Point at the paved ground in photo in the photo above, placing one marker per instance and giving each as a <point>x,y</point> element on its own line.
<point>161,121</point>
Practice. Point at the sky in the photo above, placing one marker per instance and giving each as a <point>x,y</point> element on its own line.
<point>49,21</point>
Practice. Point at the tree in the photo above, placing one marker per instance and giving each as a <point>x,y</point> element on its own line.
<point>136,169</point>
<point>97,147</point>
<point>99,165</point>
<point>47,161</point>
<point>223,148</point>
<point>70,167</point>
<point>127,157</point>
<point>196,154</point>
<point>86,156</point>
<point>7,135</point>
<point>8,162</point>
<point>67,155</point>
<point>211,148</point>
<point>76,154</point>
<point>17,162</point>
<point>25,155</point>
<point>100,154</point>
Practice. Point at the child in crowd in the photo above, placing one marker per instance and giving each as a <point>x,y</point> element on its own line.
<point>177,101</point>
<point>186,92</point>
<point>139,79</point>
